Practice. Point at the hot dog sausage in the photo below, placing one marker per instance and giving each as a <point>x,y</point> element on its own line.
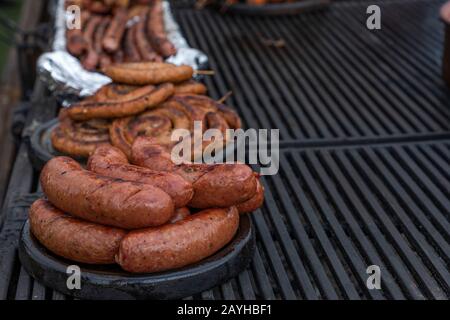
<point>177,245</point>
<point>148,73</point>
<point>129,104</point>
<point>130,47</point>
<point>190,87</point>
<point>115,31</point>
<point>111,162</point>
<point>91,59</point>
<point>220,185</point>
<point>104,200</point>
<point>73,238</point>
<point>143,45</point>
<point>156,31</point>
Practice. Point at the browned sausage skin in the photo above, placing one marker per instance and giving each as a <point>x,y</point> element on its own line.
<point>104,200</point>
<point>115,31</point>
<point>255,202</point>
<point>180,244</point>
<point>110,161</point>
<point>129,104</point>
<point>221,185</point>
<point>144,73</point>
<point>72,238</point>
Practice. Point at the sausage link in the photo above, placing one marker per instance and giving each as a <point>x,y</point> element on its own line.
<point>111,162</point>
<point>190,87</point>
<point>180,244</point>
<point>91,59</point>
<point>143,45</point>
<point>104,200</point>
<point>73,238</point>
<point>219,185</point>
<point>156,31</point>
<point>130,48</point>
<point>145,73</point>
<point>115,31</point>
<point>255,202</point>
<point>129,104</point>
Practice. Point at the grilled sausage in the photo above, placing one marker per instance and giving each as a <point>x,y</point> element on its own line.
<point>148,73</point>
<point>73,238</point>
<point>190,87</point>
<point>129,104</point>
<point>177,245</point>
<point>104,200</point>
<point>156,31</point>
<point>111,162</point>
<point>91,59</point>
<point>79,139</point>
<point>143,45</point>
<point>130,48</point>
<point>103,58</point>
<point>255,202</point>
<point>115,31</point>
<point>220,185</point>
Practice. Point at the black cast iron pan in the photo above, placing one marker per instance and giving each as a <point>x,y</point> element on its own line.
<point>111,282</point>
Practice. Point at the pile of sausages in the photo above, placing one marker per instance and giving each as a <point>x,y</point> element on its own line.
<point>116,31</point>
<point>146,99</point>
<point>143,212</point>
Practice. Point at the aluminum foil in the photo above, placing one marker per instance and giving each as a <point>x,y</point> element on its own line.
<point>69,81</point>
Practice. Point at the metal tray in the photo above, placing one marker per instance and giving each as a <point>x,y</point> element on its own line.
<point>110,282</point>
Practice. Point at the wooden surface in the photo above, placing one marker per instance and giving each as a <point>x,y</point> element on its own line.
<point>10,93</point>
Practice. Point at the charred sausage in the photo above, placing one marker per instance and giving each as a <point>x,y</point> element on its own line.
<point>104,200</point>
<point>177,245</point>
<point>73,238</point>
<point>220,185</point>
<point>129,104</point>
<point>111,162</point>
<point>115,31</point>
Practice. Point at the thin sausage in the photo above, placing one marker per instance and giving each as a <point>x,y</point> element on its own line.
<point>115,31</point>
<point>130,48</point>
<point>180,244</point>
<point>129,104</point>
<point>91,59</point>
<point>104,200</point>
<point>143,45</point>
<point>146,73</point>
<point>190,87</point>
<point>156,31</point>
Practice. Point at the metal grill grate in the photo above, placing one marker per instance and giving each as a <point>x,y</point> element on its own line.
<point>333,79</point>
<point>364,174</point>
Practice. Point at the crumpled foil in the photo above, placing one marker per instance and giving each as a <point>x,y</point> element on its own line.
<point>69,81</point>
